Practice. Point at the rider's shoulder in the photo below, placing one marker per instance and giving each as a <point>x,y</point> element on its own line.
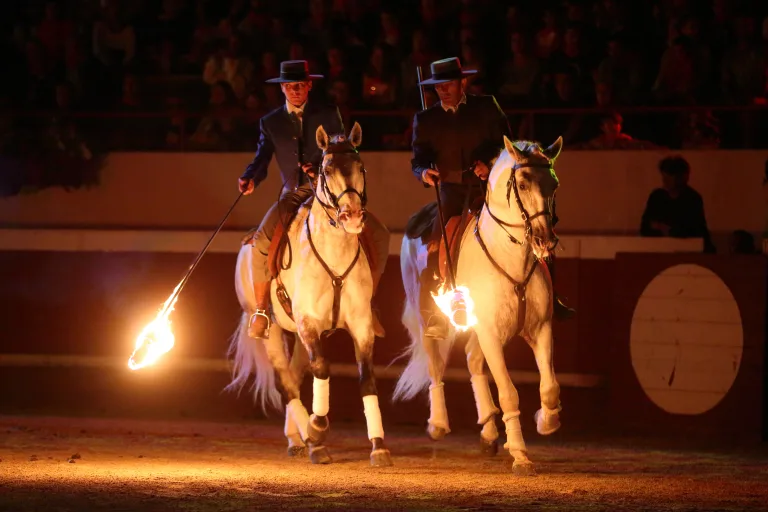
<point>428,112</point>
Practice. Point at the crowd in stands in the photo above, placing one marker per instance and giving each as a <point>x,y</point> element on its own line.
<point>173,57</point>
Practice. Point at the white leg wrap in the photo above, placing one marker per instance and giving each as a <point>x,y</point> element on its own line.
<point>320,396</point>
<point>514,432</point>
<point>438,414</point>
<point>298,413</point>
<point>291,428</point>
<point>373,416</point>
<point>483,399</point>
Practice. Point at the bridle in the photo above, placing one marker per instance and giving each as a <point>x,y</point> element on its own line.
<point>527,218</point>
<point>341,146</point>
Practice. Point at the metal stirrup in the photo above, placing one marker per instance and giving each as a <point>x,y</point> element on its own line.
<point>261,312</point>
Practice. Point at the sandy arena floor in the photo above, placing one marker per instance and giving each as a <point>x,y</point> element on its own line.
<point>153,466</point>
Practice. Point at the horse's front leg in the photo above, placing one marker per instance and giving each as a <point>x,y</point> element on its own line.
<point>491,345</point>
<point>548,417</point>
<point>363,336</point>
<point>318,427</point>
<point>486,409</point>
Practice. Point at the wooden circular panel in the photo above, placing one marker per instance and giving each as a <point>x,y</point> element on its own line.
<point>686,340</point>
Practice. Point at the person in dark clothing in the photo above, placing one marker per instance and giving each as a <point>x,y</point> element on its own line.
<point>675,210</point>
<point>455,143</point>
<point>288,133</point>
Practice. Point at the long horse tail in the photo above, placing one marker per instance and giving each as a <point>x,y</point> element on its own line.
<point>249,356</point>
<point>415,377</point>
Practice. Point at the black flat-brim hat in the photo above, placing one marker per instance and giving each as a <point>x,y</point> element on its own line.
<point>294,71</point>
<point>446,70</point>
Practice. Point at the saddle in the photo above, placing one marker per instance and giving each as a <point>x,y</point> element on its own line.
<point>422,225</point>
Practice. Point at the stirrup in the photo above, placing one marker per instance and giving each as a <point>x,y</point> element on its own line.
<point>257,313</point>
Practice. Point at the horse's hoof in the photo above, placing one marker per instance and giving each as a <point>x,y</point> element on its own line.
<point>319,455</point>
<point>523,469</point>
<point>380,458</point>
<point>546,424</point>
<point>436,433</point>
<point>314,434</point>
<point>297,451</point>
<point>488,448</point>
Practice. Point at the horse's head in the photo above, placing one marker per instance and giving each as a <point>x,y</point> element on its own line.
<point>341,182</point>
<point>524,185</point>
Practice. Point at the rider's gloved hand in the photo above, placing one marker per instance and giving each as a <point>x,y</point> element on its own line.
<point>309,170</point>
<point>245,186</point>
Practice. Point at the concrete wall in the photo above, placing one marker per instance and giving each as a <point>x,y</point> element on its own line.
<point>602,192</point>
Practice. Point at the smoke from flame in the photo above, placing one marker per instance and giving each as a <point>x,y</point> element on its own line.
<point>156,339</point>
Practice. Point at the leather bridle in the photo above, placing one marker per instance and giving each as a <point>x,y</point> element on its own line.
<point>339,147</point>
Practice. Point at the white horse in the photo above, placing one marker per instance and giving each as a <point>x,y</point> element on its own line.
<point>328,286</point>
<point>500,263</point>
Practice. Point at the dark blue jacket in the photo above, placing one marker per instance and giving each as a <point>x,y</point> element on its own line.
<point>279,137</point>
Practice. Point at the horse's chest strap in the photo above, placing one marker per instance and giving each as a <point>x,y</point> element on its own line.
<point>336,281</point>
<point>519,287</point>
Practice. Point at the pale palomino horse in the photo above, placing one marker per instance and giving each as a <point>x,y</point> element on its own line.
<point>329,286</point>
<point>499,262</point>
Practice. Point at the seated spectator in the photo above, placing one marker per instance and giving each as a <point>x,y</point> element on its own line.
<point>218,129</point>
<point>700,130</point>
<point>114,42</point>
<point>623,70</point>
<point>678,80</point>
<point>421,55</point>
<point>379,82</point>
<point>232,66</point>
<point>521,72</point>
<point>675,209</point>
<point>742,242</point>
<point>612,136</point>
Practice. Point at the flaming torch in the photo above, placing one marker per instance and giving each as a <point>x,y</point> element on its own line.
<point>455,302</point>
<point>157,339</point>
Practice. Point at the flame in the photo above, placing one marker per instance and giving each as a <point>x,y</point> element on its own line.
<point>156,339</point>
<point>457,305</point>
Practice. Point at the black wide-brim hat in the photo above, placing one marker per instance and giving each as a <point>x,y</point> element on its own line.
<point>294,71</point>
<point>446,70</point>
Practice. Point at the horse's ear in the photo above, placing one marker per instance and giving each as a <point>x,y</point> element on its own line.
<point>512,149</point>
<point>322,138</point>
<point>356,135</point>
<point>553,151</point>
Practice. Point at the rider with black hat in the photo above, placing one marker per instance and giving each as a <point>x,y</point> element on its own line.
<point>456,142</point>
<point>288,133</point>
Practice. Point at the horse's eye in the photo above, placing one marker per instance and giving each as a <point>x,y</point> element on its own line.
<point>523,186</point>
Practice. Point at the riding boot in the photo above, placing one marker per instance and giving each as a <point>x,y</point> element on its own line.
<point>434,322</point>
<point>561,311</point>
<point>258,326</point>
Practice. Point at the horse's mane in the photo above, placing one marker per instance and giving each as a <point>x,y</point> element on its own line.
<point>528,148</point>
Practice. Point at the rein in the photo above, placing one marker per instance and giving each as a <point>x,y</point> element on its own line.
<point>336,281</point>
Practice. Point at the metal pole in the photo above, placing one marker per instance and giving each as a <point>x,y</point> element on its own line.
<point>452,278</point>
<point>197,259</point>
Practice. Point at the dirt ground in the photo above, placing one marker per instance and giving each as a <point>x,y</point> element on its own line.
<point>75,464</point>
